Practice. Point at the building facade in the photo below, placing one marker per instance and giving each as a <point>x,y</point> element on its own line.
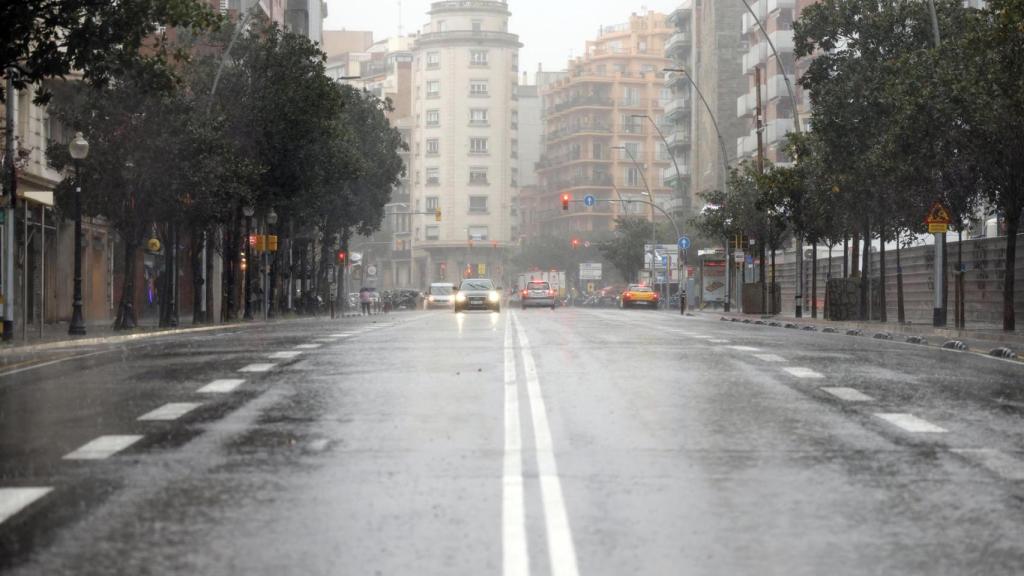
<point>602,136</point>
<point>464,141</point>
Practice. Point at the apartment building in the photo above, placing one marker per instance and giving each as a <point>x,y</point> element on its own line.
<point>602,138</point>
<point>711,50</point>
<point>464,141</point>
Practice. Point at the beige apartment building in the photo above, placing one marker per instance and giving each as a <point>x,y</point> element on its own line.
<point>464,141</point>
<point>599,136</point>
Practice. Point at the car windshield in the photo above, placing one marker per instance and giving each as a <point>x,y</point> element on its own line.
<point>511,287</point>
<point>476,285</point>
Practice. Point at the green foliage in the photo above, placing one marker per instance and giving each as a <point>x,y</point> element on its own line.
<point>44,39</point>
<point>625,251</point>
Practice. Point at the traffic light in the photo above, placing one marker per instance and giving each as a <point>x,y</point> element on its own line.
<point>565,201</point>
<point>341,256</point>
<point>437,215</point>
<point>272,243</point>
<point>575,243</point>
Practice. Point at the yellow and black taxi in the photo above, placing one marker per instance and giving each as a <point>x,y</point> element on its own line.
<point>638,295</point>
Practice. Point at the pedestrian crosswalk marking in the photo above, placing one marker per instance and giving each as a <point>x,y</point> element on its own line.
<point>911,423</point>
<point>801,372</point>
<point>170,411</point>
<point>103,447</point>
<point>14,500</point>
<point>221,386</point>
<point>848,394</point>
<point>258,368</point>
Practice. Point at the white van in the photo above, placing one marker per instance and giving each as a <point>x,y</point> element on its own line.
<point>440,295</point>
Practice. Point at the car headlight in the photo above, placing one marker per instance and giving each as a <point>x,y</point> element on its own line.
<point>493,296</point>
<point>431,298</point>
<point>460,297</point>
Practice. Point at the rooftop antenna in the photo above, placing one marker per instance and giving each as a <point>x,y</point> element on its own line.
<point>401,30</point>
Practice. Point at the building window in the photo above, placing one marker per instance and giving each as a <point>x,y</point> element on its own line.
<point>515,177</point>
<point>630,96</point>
<point>515,148</point>
<point>433,60</point>
<point>433,89</point>
<point>433,117</point>
<point>433,146</point>
<point>433,176</point>
<point>478,233</point>
<point>515,62</point>
<point>433,232</point>
<point>442,26</point>
<point>478,145</point>
<point>478,57</point>
<point>433,203</point>
<point>478,175</point>
<point>478,88</point>
<point>478,204</point>
<point>515,119</point>
<point>478,117</point>
<point>478,25</point>
<point>631,152</point>
<point>632,177</point>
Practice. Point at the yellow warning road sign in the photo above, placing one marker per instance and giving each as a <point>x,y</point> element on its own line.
<point>938,215</point>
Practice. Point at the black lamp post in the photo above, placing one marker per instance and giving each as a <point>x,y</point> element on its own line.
<point>268,289</point>
<point>79,149</point>
<point>248,210</point>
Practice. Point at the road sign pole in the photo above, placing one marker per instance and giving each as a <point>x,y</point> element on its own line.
<point>937,318</point>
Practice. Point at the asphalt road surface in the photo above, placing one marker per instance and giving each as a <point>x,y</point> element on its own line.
<point>528,442</point>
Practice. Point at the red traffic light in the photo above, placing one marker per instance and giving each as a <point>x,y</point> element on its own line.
<point>575,243</point>
<point>565,201</point>
<point>341,256</point>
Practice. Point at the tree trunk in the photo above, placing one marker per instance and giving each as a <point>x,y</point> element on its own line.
<point>1012,227</point>
<point>229,306</point>
<point>846,257</point>
<point>883,303</point>
<point>771,293</point>
<point>209,250</point>
<point>197,246</point>
<point>828,275</point>
<point>165,281</point>
<point>865,279</point>
<point>814,279</point>
<point>169,299</point>
<point>901,310</point>
<point>961,316</point>
<point>855,257</point>
<point>945,281</point>
<point>764,279</point>
<point>126,318</point>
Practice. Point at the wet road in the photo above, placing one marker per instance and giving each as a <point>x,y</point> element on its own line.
<point>530,442</point>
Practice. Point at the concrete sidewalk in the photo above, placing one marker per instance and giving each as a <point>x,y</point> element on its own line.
<point>980,339</point>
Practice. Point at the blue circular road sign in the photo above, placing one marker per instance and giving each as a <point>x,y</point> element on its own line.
<point>589,200</point>
<point>684,243</point>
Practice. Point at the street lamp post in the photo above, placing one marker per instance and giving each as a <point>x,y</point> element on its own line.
<point>268,286</point>
<point>725,174</point>
<point>654,226</point>
<point>248,210</point>
<point>79,149</point>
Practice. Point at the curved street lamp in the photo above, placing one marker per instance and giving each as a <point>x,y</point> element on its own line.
<point>271,220</point>
<point>79,150</point>
<point>248,211</point>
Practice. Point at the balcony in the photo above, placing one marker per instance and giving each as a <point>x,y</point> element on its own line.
<point>589,181</point>
<point>746,105</point>
<point>764,9</point>
<point>681,15</point>
<point>777,87</point>
<point>582,102</point>
<point>761,52</point>
<point>746,145</point>
<point>678,108</point>
<point>777,129</point>
<point>684,172</point>
<point>593,129</point>
<point>678,139</point>
<point>677,81</point>
<point>678,45</point>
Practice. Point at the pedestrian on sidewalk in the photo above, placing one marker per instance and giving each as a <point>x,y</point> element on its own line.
<point>364,301</point>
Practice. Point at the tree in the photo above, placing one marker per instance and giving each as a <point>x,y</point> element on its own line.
<point>44,39</point>
<point>625,251</point>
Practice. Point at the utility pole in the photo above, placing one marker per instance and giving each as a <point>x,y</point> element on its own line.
<point>759,125</point>
<point>8,240</point>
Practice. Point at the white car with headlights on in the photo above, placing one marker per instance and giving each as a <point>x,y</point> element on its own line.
<point>440,295</point>
<point>477,294</point>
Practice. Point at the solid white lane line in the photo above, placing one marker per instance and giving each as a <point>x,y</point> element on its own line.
<point>515,551</point>
<point>14,500</point>
<point>997,461</point>
<point>170,411</point>
<point>52,362</point>
<point>718,341</point>
<point>848,394</point>
<point>307,346</point>
<point>911,423</point>
<point>770,357</point>
<point>343,335</point>
<point>561,550</point>
<point>221,386</point>
<point>103,447</point>
<point>284,355</point>
<point>801,372</point>
<point>744,348</point>
<point>258,368</point>
<point>324,340</point>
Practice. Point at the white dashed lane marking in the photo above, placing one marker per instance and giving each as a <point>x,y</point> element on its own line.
<point>770,357</point>
<point>307,346</point>
<point>848,394</point>
<point>284,355</point>
<point>997,461</point>
<point>221,386</point>
<point>744,348</point>
<point>103,447</point>
<point>801,372</point>
<point>14,500</point>
<point>718,341</point>
<point>911,423</point>
<point>258,368</point>
<point>171,411</point>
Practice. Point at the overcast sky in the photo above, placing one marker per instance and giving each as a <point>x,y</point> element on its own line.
<point>550,30</point>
